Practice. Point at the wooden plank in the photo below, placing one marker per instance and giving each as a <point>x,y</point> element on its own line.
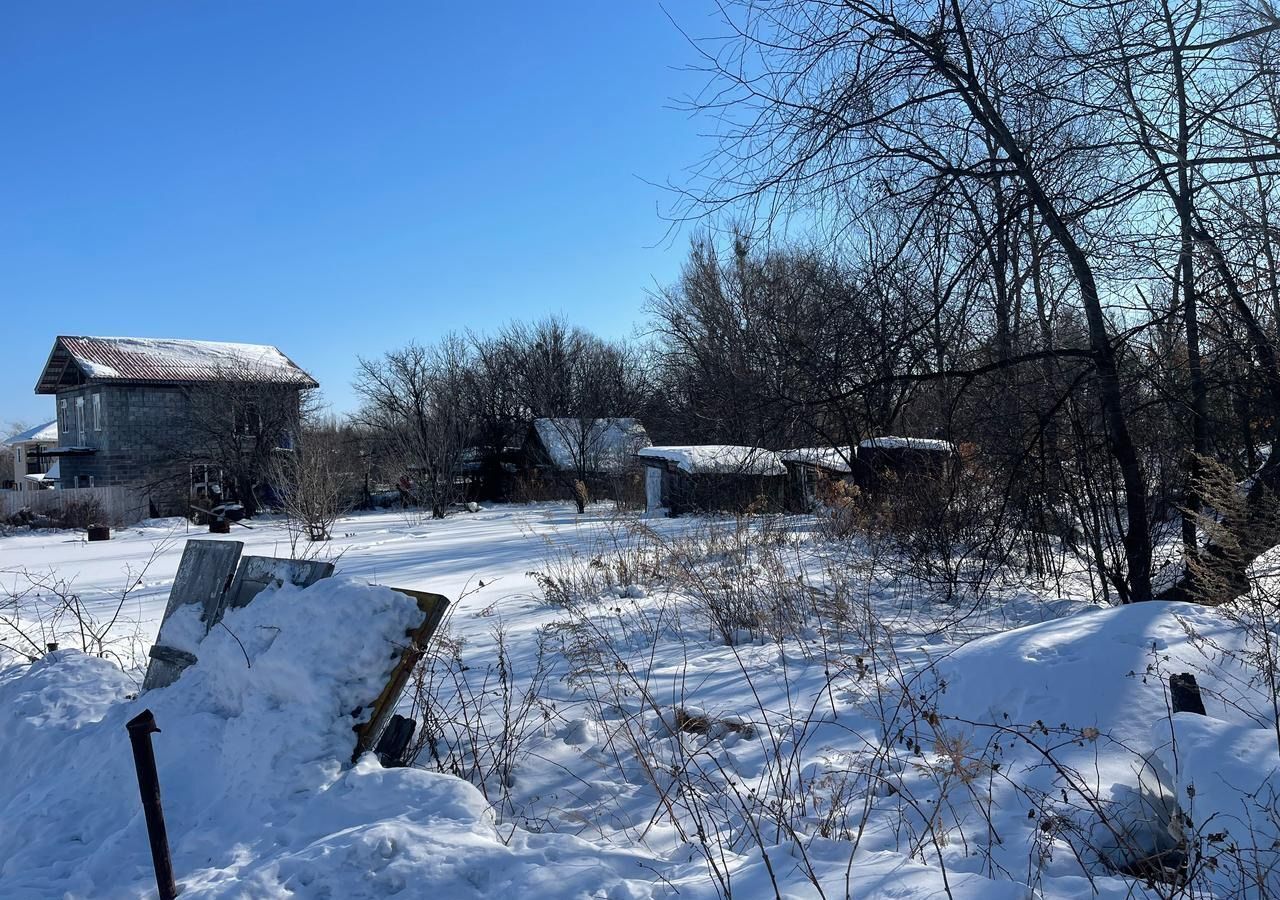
<point>204,574</point>
<point>433,607</point>
<point>173,655</point>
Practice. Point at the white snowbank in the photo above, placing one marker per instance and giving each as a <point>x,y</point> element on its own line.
<point>272,802</point>
<point>252,754</point>
<point>718,459</point>
<point>1227,779</point>
<point>1106,671</point>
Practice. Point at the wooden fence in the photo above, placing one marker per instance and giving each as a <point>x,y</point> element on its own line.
<point>121,505</point>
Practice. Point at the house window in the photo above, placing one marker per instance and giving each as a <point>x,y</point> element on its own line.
<point>62,414</point>
<point>247,419</point>
<point>97,412</point>
<point>80,420</point>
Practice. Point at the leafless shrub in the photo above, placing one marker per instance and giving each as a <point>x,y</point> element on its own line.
<point>315,488</point>
<point>39,609</point>
<point>478,716</point>
<point>626,555</point>
<point>80,513</point>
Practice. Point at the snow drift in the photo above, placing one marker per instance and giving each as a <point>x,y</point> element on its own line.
<point>252,751</point>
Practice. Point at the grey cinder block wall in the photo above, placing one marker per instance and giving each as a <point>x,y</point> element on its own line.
<point>133,438</point>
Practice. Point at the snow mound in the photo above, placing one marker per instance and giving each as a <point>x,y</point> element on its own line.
<point>1090,669</point>
<point>253,759</point>
<point>1103,674</point>
<point>1227,780</point>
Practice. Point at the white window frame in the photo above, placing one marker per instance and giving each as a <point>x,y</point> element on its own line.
<point>65,415</point>
<point>97,412</point>
<point>80,420</point>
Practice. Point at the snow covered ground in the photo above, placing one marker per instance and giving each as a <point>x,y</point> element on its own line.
<point>636,727</point>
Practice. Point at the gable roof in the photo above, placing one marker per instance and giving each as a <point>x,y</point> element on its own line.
<point>718,459</point>
<point>833,459</point>
<point>45,434</point>
<point>896,442</point>
<point>607,444</point>
<point>80,360</point>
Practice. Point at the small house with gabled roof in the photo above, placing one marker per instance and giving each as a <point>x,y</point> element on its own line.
<point>33,468</point>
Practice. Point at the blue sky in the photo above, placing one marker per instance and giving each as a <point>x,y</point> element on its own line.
<point>332,178</point>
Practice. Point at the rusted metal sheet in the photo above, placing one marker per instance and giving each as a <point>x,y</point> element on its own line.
<point>168,361</point>
<point>204,574</point>
<point>433,607</point>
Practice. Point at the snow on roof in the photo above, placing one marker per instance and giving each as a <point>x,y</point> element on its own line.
<point>46,433</point>
<point>606,445</point>
<point>718,459</point>
<point>893,442</point>
<point>836,459</point>
<point>169,359</point>
<point>54,473</point>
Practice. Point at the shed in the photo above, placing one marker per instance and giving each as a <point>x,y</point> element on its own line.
<point>557,452</point>
<point>898,458</point>
<point>712,478</point>
<point>808,468</point>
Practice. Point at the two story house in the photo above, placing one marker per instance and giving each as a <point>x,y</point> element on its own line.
<point>157,414</point>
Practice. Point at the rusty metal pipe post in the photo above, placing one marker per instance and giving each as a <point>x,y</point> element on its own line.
<point>141,727</point>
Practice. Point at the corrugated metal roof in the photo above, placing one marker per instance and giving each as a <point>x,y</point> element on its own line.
<point>105,359</point>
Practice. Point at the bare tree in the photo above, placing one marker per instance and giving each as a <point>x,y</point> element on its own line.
<point>579,385</point>
<point>1056,132</point>
<point>414,399</point>
<point>236,425</point>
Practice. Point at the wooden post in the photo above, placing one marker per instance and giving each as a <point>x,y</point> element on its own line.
<point>141,727</point>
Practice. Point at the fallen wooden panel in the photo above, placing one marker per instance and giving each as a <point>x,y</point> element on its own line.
<point>433,607</point>
<point>257,573</point>
<point>205,571</point>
